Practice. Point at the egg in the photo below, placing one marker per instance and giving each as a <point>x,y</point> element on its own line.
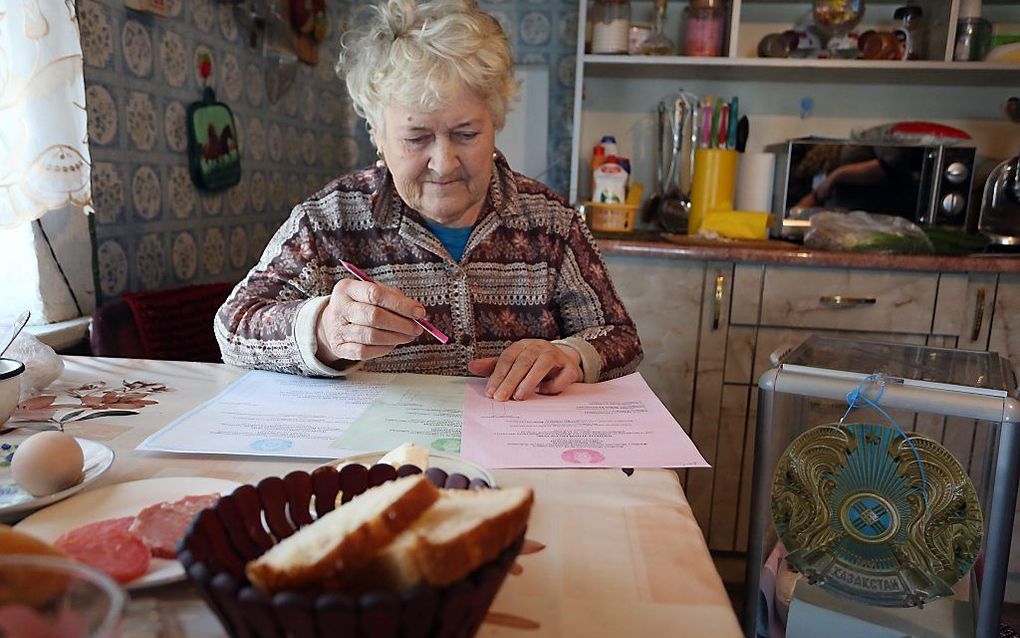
<point>47,462</point>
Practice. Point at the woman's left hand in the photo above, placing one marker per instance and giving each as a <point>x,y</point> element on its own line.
<point>529,366</point>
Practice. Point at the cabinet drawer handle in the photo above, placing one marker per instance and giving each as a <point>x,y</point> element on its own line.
<point>846,302</point>
<point>979,315</point>
<point>717,309</point>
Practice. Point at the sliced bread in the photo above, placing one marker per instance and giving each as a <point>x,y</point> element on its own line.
<point>28,586</point>
<point>343,539</point>
<point>460,532</point>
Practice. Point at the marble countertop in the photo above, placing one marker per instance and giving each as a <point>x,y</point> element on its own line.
<point>779,252</point>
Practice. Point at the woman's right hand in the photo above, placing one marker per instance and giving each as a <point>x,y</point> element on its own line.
<point>364,320</point>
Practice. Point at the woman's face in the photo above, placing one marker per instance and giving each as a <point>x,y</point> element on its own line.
<point>441,161</point>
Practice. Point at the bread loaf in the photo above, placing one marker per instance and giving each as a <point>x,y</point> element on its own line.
<point>345,539</point>
<point>25,585</point>
<point>460,532</point>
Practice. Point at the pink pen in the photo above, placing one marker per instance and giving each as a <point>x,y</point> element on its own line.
<point>723,124</point>
<point>706,123</point>
<point>424,323</point>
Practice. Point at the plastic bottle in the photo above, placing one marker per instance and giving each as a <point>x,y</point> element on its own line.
<point>608,143</point>
<point>610,184</point>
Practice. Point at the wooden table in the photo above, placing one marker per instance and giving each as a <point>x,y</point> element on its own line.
<point>623,554</point>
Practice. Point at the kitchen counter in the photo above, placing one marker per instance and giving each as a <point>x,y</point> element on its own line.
<point>710,315</point>
<point>780,252</point>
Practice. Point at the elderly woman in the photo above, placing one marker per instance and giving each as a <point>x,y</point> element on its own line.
<point>443,226</point>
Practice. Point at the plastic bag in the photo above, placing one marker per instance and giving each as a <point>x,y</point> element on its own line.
<point>917,133</point>
<point>42,365</point>
<point>860,232</point>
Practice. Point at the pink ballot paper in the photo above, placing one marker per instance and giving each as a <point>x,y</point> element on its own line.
<point>618,423</point>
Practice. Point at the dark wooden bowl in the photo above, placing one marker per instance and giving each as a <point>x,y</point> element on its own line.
<point>246,523</point>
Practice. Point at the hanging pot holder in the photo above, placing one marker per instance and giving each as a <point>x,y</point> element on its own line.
<point>212,144</point>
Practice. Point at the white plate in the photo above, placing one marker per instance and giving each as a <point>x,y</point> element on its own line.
<point>124,499</point>
<point>16,502</point>
<point>446,462</point>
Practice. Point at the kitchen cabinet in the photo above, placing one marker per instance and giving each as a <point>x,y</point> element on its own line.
<point>786,98</point>
<point>1005,331</point>
<point>666,295</point>
<point>717,432</point>
<point>846,299</point>
<point>708,328</point>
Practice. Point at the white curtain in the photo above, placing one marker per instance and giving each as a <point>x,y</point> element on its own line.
<point>44,155</point>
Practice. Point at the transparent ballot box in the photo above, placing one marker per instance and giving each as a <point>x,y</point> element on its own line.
<point>964,400</point>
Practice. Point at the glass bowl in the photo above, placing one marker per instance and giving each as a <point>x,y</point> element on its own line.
<point>839,16</point>
<point>49,596</point>
<point>833,22</point>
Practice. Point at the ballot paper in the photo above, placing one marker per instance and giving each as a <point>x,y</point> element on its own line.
<point>272,414</point>
<point>423,409</point>
<point>618,423</point>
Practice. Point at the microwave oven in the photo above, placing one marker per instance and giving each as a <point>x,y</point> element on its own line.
<point>927,184</point>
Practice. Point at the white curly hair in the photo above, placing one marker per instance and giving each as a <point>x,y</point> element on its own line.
<point>418,54</point>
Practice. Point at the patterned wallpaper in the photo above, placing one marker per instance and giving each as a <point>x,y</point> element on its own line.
<point>153,228</point>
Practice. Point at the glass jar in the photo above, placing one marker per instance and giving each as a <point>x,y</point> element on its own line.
<point>1000,205</point>
<point>704,26</point>
<point>973,39</point>
<point>610,22</point>
<point>639,33</point>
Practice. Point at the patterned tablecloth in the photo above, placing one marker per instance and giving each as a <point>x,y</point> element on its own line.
<point>613,554</point>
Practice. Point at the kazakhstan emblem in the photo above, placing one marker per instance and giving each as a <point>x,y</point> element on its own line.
<point>876,517</point>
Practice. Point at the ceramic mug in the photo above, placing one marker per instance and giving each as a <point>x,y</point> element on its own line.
<point>10,387</point>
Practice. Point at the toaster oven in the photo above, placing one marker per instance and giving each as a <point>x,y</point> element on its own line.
<point>927,184</point>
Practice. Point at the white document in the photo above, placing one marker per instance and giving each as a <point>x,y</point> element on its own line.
<point>272,414</point>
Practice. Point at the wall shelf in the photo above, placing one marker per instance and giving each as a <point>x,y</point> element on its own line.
<point>619,94</point>
<point>803,70</point>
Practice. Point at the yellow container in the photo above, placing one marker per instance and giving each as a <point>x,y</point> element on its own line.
<point>714,183</point>
<point>613,218</point>
<point>738,224</point>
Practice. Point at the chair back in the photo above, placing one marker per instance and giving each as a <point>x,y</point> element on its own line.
<point>174,324</point>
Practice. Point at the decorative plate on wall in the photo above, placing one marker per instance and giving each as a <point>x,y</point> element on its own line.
<point>876,517</point>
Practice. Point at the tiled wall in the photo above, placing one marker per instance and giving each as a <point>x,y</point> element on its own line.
<point>154,229</point>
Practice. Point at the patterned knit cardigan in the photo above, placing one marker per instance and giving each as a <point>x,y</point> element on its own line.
<point>530,269</point>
